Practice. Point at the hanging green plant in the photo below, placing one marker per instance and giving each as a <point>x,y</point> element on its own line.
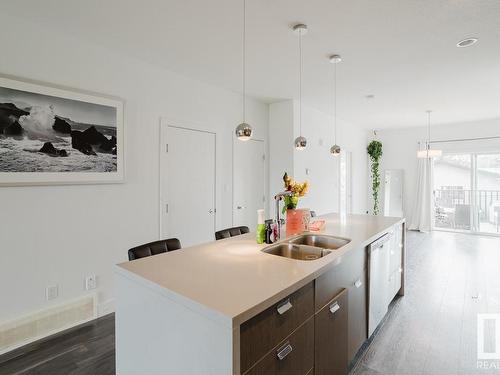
<point>374,150</point>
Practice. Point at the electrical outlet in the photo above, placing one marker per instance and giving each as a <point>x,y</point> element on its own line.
<point>90,282</point>
<point>51,292</point>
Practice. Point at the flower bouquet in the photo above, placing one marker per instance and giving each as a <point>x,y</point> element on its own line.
<point>297,220</point>
<point>298,190</point>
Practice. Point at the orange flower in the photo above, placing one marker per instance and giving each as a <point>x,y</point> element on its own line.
<point>298,189</point>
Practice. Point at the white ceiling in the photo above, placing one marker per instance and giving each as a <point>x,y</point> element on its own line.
<point>401,51</point>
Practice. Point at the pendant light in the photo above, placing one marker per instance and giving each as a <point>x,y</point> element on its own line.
<point>335,149</point>
<point>244,131</point>
<point>300,141</point>
<point>428,152</point>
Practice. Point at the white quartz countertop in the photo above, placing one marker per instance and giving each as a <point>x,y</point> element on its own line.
<point>233,280</point>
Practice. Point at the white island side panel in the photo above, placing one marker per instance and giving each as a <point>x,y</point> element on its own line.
<point>156,335</point>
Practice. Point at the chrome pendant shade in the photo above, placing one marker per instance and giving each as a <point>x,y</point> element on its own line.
<point>300,143</point>
<point>335,150</point>
<point>244,131</point>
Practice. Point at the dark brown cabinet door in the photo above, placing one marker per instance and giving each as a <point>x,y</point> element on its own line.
<point>293,356</point>
<point>358,328</point>
<point>331,341</point>
<point>264,331</point>
<point>341,276</point>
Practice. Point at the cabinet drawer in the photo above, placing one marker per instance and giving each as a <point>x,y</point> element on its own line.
<point>331,341</point>
<point>341,276</point>
<point>292,356</point>
<point>264,331</point>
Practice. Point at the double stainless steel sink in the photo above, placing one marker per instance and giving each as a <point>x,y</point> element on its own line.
<point>307,246</point>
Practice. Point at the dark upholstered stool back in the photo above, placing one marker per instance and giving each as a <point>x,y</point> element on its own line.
<point>153,248</point>
<point>231,232</point>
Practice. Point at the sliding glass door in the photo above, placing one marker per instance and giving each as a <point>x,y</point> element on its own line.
<point>453,191</point>
<point>467,192</point>
<point>488,193</point>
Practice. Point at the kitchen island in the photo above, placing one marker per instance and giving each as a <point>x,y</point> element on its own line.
<point>226,307</point>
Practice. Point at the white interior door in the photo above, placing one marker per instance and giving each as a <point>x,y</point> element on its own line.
<point>248,182</point>
<point>188,189</point>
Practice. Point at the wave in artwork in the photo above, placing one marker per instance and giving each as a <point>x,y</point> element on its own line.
<point>42,136</point>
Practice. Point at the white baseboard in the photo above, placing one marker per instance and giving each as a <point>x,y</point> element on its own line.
<point>106,307</point>
<point>45,322</point>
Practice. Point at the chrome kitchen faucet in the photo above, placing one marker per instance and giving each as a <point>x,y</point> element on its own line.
<point>277,198</point>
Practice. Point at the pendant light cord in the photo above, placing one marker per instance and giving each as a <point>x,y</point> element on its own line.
<point>428,130</point>
<point>244,58</point>
<point>300,82</point>
<point>335,104</point>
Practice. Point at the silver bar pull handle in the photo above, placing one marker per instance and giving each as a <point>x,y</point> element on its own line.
<point>284,351</point>
<point>358,283</point>
<point>334,307</point>
<point>284,306</point>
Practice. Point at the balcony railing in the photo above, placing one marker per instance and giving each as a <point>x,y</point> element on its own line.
<point>453,208</point>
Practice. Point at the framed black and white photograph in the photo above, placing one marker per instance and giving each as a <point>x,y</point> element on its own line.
<point>51,135</point>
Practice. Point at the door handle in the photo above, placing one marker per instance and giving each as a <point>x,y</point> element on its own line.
<point>284,306</point>
<point>210,211</point>
<point>240,207</point>
<point>334,307</point>
<point>284,351</point>
<point>358,283</point>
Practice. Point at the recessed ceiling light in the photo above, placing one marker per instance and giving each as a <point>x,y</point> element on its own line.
<point>467,42</point>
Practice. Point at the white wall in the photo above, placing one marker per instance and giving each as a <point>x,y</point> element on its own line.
<point>59,234</point>
<point>280,150</point>
<point>353,139</point>
<point>400,148</point>
<point>323,170</point>
<point>315,163</point>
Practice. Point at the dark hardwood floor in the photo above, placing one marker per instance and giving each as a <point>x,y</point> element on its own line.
<point>86,349</point>
<point>432,330</point>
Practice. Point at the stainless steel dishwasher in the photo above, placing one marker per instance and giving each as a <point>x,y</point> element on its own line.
<point>378,276</point>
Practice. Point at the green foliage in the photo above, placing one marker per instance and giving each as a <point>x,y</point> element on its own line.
<point>374,150</point>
